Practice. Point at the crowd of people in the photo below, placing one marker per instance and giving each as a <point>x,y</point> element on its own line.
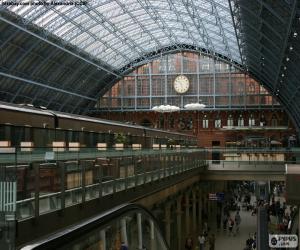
<point>229,217</point>
<point>203,240</point>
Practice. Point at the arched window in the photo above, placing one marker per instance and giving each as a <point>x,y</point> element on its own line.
<point>189,123</point>
<point>171,121</point>
<point>218,122</point>
<point>262,121</point>
<point>241,121</point>
<point>161,121</point>
<point>205,122</point>
<point>251,120</point>
<point>274,121</point>
<point>230,121</point>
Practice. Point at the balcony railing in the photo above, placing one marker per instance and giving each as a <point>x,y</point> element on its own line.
<point>48,179</point>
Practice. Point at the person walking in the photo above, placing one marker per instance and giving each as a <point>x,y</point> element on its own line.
<point>237,220</point>
<point>123,246</point>
<point>201,240</point>
<point>212,240</point>
<point>230,225</point>
<point>189,243</point>
<point>218,221</point>
<point>225,221</point>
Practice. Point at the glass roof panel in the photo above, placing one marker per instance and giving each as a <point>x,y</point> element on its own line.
<point>120,31</point>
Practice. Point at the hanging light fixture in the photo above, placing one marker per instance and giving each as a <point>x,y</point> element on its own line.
<point>165,108</point>
<point>194,106</point>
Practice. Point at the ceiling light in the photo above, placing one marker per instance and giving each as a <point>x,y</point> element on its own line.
<point>282,75</point>
<point>194,106</point>
<point>295,34</point>
<point>165,108</point>
<point>291,48</point>
<point>287,59</point>
<point>284,67</point>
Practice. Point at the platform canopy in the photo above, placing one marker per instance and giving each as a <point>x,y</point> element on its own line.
<point>76,52</point>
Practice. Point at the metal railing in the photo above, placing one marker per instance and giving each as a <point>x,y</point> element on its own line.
<point>52,179</point>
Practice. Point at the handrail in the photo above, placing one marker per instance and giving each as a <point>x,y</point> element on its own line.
<point>54,241</point>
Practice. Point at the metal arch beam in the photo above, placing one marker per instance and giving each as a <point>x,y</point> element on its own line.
<point>262,35</point>
<point>45,86</point>
<point>172,49</point>
<point>283,48</point>
<point>2,44</point>
<point>205,37</point>
<point>263,71</point>
<point>252,48</point>
<point>155,16</point>
<point>77,25</point>
<point>56,45</point>
<point>179,14</point>
<point>256,31</point>
<point>83,81</point>
<point>27,52</point>
<point>262,20</point>
<point>115,11</point>
<point>114,29</point>
<point>225,40</point>
<point>269,8</point>
<point>140,24</point>
<point>164,51</point>
<point>132,45</point>
<point>270,53</point>
<point>262,77</point>
<point>233,13</point>
<point>39,68</point>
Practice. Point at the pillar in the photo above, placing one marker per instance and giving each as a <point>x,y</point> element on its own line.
<point>103,240</point>
<point>194,210</point>
<point>200,205</point>
<point>168,222</point>
<point>152,236</point>
<point>187,213</point>
<point>124,231</point>
<point>179,226</point>
<point>140,232</point>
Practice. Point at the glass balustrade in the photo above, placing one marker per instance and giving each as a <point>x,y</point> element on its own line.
<point>50,179</point>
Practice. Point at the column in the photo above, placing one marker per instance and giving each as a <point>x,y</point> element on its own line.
<point>103,240</point>
<point>124,231</point>
<point>140,232</point>
<point>205,202</point>
<point>179,226</point>
<point>194,210</point>
<point>200,205</point>
<point>152,236</point>
<point>187,213</point>
<point>168,222</point>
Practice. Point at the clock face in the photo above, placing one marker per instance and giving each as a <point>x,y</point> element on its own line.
<point>181,84</point>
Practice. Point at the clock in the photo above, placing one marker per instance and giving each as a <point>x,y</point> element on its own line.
<point>181,84</point>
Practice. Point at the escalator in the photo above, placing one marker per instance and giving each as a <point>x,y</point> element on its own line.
<point>128,224</point>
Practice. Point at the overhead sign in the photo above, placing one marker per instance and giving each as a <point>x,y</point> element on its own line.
<point>216,196</point>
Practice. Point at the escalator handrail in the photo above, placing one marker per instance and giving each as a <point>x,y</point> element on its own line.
<point>53,241</point>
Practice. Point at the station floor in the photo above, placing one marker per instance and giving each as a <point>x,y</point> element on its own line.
<point>224,241</point>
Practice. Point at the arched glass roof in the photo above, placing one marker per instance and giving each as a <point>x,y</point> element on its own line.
<point>120,31</point>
